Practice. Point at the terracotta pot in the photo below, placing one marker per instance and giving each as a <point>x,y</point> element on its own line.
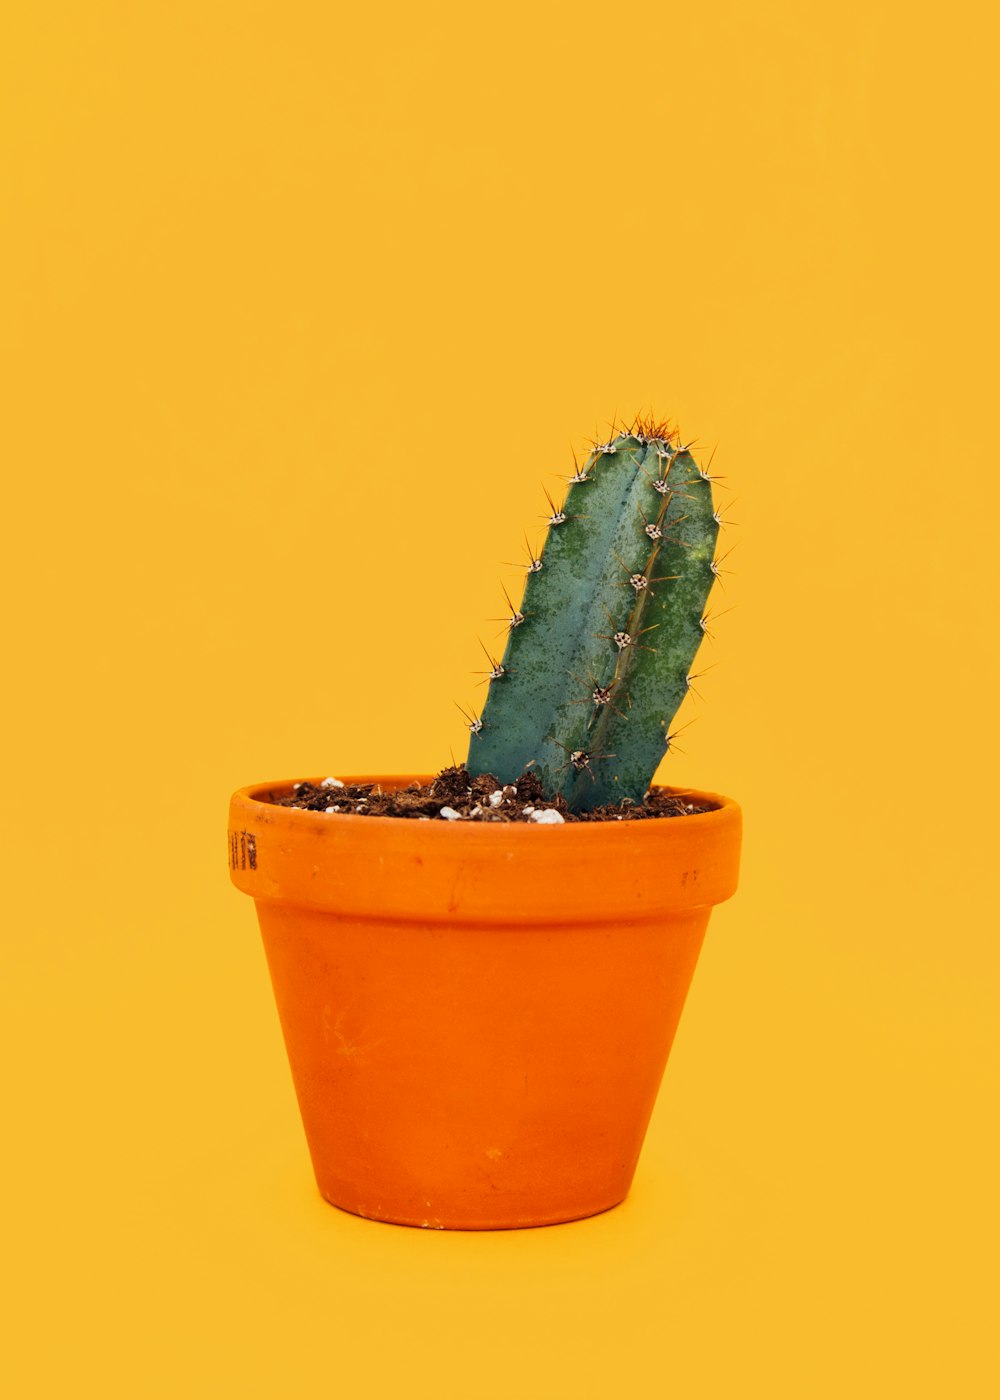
<point>478,1016</point>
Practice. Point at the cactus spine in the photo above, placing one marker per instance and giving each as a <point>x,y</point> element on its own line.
<point>599,652</point>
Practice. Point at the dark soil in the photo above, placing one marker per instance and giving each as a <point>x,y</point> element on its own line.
<point>454,795</point>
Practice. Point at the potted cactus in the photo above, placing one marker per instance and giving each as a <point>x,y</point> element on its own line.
<point>478,1012</point>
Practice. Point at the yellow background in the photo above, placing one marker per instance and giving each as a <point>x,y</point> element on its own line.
<point>303,307</point>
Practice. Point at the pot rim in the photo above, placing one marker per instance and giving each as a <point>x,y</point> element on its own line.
<point>401,869</point>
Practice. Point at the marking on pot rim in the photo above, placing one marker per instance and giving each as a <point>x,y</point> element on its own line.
<point>242,850</point>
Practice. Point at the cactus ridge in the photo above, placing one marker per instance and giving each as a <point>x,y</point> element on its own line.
<point>600,649</point>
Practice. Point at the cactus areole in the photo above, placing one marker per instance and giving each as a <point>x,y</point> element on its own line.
<point>601,648</point>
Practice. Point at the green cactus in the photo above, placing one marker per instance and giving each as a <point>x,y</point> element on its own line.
<point>600,651</point>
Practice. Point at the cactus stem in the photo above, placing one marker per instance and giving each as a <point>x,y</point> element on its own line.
<point>650,509</point>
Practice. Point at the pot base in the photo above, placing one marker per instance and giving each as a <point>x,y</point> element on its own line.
<point>528,1222</point>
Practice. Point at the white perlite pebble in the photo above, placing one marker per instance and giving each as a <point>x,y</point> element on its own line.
<point>495,798</point>
<point>450,815</point>
<point>331,809</point>
<point>331,782</point>
<point>527,811</point>
<point>476,811</point>
<point>550,817</point>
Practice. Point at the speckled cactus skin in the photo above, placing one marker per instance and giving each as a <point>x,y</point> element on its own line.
<point>600,651</point>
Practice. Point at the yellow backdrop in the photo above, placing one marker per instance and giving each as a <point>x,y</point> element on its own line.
<point>304,306</point>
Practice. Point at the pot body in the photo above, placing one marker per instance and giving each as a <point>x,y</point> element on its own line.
<point>478,1016</point>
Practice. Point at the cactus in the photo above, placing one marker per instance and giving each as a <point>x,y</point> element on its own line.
<point>600,650</point>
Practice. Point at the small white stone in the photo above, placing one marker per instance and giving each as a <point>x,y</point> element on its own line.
<point>296,786</point>
<point>331,782</point>
<point>331,809</point>
<point>450,815</point>
<point>477,811</point>
<point>550,817</point>
<point>495,798</point>
<point>527,811</point>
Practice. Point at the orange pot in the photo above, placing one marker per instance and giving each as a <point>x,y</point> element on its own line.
<point>478,1016</point>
